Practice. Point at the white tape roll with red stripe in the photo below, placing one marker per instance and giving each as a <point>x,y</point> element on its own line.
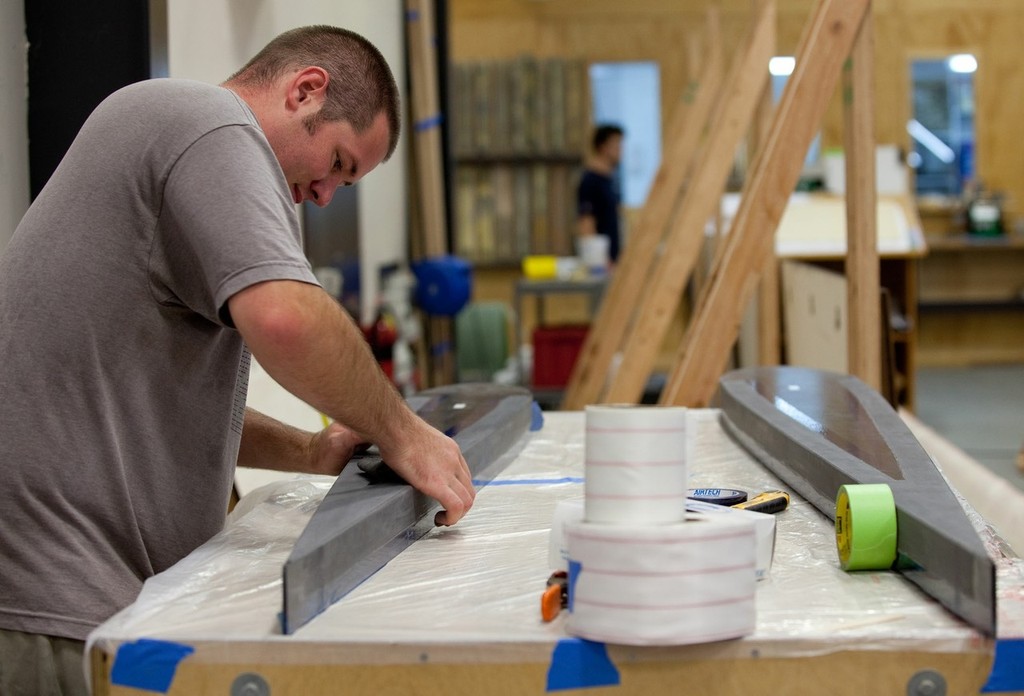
<point>672,584</point>
<point>635,462</point>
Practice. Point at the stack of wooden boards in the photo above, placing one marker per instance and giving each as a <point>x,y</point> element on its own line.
<point>518,135</point>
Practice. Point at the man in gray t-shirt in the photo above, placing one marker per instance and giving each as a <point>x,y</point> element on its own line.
<point>164,248</point>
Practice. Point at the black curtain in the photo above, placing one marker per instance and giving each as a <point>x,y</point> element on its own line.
<point>79,52</point>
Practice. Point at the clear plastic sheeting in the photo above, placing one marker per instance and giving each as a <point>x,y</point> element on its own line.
<point>480,581</point>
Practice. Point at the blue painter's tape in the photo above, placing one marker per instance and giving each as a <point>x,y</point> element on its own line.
<point>574,574</point>
<point>428,123</point>
<point>528,482</point>
<point>580,664</point>
<point>1007,668</point>
<point>536,417</point>
<point>148,664</point>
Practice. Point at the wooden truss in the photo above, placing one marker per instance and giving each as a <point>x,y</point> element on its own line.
<point>634,322</point>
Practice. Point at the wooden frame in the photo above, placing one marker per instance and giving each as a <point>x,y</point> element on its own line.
<point>827,41</point>
<point>627,283</point>
<point>743,88</point>
<point>835,31</point>
<point>862,267</point>
<point>685,163</point>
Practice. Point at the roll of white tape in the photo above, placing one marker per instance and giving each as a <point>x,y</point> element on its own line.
<point>566,511</point>
<point>670,584</point>
<point>635,464</point>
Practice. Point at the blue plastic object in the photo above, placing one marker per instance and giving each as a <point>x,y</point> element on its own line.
<point>444,284</point>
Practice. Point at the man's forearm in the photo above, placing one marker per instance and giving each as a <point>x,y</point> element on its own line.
<point>268,443</point>
<point>307,343</point>
<point>586,226</point>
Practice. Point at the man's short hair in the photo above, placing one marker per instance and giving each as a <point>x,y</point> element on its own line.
<point>361,83</point>
<point>605,132</point>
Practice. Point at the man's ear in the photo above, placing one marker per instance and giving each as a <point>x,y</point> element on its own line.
<point>307,89</point>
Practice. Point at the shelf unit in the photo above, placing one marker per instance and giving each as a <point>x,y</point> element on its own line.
<point>815,231</point>
<point>898,275</point>
<point>971,300</point>
<point>518,141</point>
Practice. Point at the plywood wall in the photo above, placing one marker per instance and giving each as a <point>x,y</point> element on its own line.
<point>612,30</point>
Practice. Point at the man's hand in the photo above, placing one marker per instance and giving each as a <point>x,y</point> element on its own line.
<point>332,448</point>
<point>432,462</point>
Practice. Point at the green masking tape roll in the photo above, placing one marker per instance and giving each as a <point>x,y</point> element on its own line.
<point>866,527</point>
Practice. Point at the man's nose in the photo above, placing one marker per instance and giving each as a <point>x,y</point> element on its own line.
<point>323,192</point>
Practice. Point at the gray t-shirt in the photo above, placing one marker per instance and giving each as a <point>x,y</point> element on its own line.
<point>122,380</point>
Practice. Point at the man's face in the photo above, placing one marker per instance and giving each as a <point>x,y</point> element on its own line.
<point>612,148</point>
<point>316,164</point>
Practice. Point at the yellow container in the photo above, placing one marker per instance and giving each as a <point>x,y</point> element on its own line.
<point>539,267</point>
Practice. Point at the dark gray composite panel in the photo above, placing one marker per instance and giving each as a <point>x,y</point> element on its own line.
<point>818,431</point>
<point>365,521</point>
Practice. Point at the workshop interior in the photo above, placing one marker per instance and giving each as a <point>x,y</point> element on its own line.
<point>705,291</point>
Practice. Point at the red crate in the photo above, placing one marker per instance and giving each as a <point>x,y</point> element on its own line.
<point>555,349</point>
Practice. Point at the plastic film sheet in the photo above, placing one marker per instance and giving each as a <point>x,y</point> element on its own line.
<point>480,581</point>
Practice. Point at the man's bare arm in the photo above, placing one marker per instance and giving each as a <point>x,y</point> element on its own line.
<point>268,443</point>
<point>586,225</point>
<point>310,346</point>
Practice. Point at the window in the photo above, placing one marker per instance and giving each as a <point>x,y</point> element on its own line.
<point>780,68</point>
<point>628,94</point>
<point>942,126</point>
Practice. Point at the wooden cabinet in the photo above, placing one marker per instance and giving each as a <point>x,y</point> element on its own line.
<point>971,300</point>
<point>813,231</point>
<point>815,319</point>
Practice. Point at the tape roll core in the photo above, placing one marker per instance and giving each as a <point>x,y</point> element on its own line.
<point>866,527</point>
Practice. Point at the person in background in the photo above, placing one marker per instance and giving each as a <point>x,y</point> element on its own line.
<point>598,195</point>
<point>162,253</point>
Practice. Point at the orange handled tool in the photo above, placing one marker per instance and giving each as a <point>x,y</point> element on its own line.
<point>555,597</point>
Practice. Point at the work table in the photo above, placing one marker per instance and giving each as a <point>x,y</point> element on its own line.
<point>458,612</point>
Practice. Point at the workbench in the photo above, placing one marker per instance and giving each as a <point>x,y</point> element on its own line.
<point>458,612</point>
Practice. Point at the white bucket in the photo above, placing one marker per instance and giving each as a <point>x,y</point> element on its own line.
<point>593,251</point>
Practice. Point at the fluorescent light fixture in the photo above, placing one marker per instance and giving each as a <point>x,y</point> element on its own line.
<point>962,63</point>
<point>781,65</point>
<point>930,141</point>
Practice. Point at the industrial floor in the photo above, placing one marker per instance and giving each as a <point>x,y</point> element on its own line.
<point>980,410</point>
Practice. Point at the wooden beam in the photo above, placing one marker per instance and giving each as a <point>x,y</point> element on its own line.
<point>747,77</point>
<point>686,126</point>
<point>862,265</point>
<point>769,316</point>
<point>426,126</point>
<point>826,42</point>
<point>430,217</point>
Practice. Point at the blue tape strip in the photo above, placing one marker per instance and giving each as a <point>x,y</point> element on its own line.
<point>579,664</point>
<point>428,123</point>
<point>570,591</point>
<point>412,15</point>
<point>536,417</point>
<point>148,664</point>
<point>1007,668</point>
<point>528,482</point>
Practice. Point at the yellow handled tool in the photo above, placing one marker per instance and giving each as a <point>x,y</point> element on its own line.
<point>769,502</point>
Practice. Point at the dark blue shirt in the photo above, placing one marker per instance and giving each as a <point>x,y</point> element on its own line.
<point>599,196</point>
